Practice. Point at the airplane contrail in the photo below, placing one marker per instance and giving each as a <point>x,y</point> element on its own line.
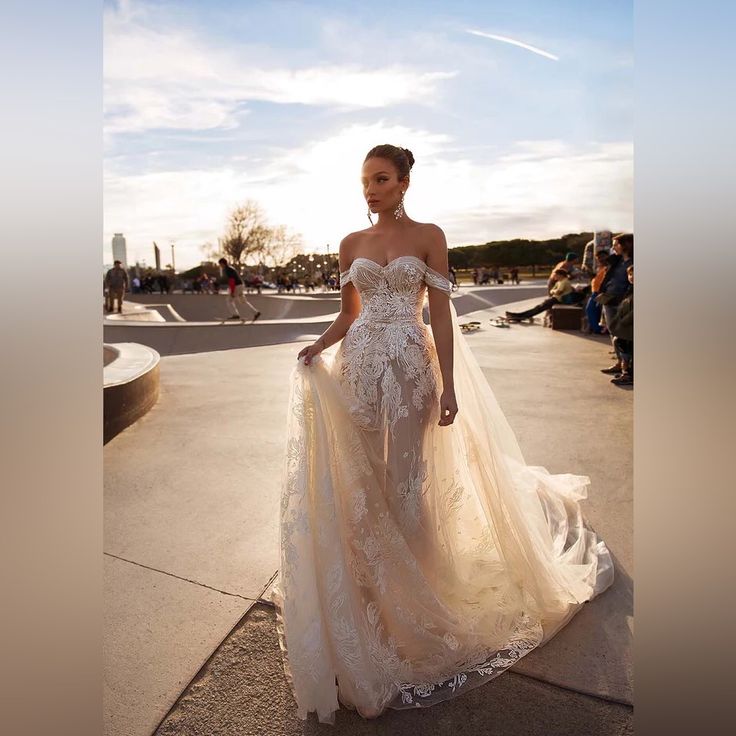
<point>526,46</point>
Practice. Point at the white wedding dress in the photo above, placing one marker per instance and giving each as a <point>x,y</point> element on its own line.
<point>417,561</point>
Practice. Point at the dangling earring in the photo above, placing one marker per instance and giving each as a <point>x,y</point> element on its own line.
<point>399,211</point>
<point>369,216</point>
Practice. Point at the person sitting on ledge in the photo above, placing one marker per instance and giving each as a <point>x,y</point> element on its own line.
<point>562,292</point>
<point>568,266</point>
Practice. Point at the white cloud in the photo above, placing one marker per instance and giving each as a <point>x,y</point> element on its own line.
<point>539,189</point>
<point>173,78</point>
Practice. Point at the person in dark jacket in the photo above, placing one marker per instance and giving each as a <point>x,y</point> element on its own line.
<point>622,329</point>
<point>616,283</point>
<point>235,291</point>
<point>116,282</point>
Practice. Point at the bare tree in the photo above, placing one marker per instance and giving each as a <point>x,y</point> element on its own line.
<point>247,233</point>
<point>281,247</point>
<point>209,251</point>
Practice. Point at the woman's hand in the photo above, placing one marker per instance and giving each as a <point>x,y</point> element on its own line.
<point>311,350</point>
<point>448,407</point>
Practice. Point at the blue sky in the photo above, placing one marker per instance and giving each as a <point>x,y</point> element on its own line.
<point>210,104</point>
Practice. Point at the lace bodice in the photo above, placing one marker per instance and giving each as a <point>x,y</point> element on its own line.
<point>387,362</point>
<point>394,291</point>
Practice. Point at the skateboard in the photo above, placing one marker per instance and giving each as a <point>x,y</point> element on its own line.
<point>509,320</point>
<point>500,322</point>
<point>227,320</point>
<point>470,326</point>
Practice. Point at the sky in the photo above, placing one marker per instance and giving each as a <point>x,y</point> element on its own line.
<point>519,115</point>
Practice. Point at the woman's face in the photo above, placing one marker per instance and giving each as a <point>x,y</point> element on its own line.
<point>381,186</point>
<point>617,247</point>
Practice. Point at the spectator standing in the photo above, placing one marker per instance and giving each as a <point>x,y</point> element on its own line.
<point>235,291</point>
<point>514,271</point>
<point>116,281</point>
<point>592,308</point>
<point>588,265</point>
<point>622,329</point>
<point>615,284</point>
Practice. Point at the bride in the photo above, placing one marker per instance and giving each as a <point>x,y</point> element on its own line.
<point>420,555</point>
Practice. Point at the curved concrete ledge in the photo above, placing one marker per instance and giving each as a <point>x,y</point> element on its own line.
<point>109,353</point>
<point>131,384</point>
<point>138,313</point>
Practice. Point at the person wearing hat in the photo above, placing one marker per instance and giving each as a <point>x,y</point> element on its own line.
<point>568,266</point>
<point>561,292</point>
<point>116,282</point>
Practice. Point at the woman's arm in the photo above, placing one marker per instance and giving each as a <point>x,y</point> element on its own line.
<point>441,322</point>
<point>349,309</point>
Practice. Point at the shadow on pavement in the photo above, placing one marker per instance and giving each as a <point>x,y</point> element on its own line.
<point>242,689</point>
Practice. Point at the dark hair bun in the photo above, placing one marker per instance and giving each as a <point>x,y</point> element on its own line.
<point>402,158</point>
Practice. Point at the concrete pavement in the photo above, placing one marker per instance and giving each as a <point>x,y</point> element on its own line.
<point>191,499</point>
<point>242,692</point>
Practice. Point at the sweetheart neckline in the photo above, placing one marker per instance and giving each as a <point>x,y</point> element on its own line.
<point>393,260</point>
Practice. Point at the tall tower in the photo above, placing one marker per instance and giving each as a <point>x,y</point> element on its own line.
<point>119,249</point>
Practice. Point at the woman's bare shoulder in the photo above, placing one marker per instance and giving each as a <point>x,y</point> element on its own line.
<point>352,240</point>
<point>430,228</point>
<point>433,237</point>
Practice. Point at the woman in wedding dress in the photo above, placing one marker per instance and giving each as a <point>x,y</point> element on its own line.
<point>420,555</point>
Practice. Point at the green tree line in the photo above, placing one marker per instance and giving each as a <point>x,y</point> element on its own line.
<point>518,252</point>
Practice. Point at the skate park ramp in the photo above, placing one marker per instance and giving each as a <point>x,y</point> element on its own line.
<point>179,324</point>
<point>213,307</point>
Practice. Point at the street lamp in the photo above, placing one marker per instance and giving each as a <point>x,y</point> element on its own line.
<point>173,263</point>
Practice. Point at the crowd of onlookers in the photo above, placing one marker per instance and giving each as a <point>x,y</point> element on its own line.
<point>493,275</point>
<point>148,284</point>
<point>322,280</point>
<point>607,300</point>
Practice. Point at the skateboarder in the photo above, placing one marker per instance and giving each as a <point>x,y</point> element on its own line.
<point>235,291</point>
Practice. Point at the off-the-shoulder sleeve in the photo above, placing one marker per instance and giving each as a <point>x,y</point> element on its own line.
<point>344,278</point>
<point>437,281</point>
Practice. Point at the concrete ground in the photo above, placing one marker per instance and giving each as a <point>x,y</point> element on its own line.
<point>191,545</point>
<point>242,691</point>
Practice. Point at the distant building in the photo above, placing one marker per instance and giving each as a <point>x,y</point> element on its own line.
<point>120,249</point>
